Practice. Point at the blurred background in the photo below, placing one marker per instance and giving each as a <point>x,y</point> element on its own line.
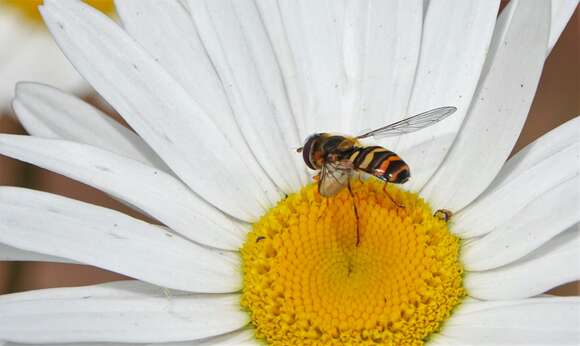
<point>557,100</point>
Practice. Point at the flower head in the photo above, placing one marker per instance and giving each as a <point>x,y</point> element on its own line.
<point>218,93</point>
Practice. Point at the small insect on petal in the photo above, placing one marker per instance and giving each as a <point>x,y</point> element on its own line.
<point>443,215</point>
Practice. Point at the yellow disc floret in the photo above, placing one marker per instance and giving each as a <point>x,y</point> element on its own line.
<point>307,282</point>
<point>29,8</point>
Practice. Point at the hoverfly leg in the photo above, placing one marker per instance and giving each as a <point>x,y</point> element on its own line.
<point>355,213</point>
<point>391,197</point>
<point>323,205</point>
<point>443,215</point>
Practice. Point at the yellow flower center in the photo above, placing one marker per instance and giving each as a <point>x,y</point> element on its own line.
<point>29,8</point>
<point>306,282</point>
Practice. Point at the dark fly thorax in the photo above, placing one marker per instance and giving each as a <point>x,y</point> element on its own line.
<point>322,148</point>
<point>336,148</point>
<point>332,143</point>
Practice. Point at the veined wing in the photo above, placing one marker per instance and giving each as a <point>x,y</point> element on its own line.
<point>333,178</point>
<point>411,124</point>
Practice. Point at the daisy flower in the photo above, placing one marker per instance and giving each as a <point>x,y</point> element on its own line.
<point>29,51</point>
<point>244,250</point>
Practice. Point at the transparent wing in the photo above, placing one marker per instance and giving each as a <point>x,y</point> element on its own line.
<point>333,178</point>
<point>411,124</point>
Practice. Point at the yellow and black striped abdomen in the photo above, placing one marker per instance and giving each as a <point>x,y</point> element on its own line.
<point>380,162</point>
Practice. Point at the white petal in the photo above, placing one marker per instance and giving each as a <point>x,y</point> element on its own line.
<point>441,340</point>
<point>554,264</point>
<point>73,344</point>
<point>423,165</point>
<point>382,39</point>
<point>562,10</point>
<point>115,289</point>
<point>271,16</point>
<point>522,180</point>
<point>129,289</point>
<point>150,190</point>
<point>254,85</point>
<point>537,321</point>
<point>314,63</point>
<point>242,337</point>
<point>58,226</point>
<point>499,108</point>
<point>158,108</point>
<point>541,219</point>
<point>557,140</point>
<point>47,112</point>
<point>21,60</point>
<point>129,318</point>
<point>174,42</point>
<point>346,65</point>
<point>470,304</point>
<point>456,36</point>
<point>9,253</point>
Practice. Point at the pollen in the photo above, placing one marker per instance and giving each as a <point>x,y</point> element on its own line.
<point>307,282</point>
<point>29,8</point>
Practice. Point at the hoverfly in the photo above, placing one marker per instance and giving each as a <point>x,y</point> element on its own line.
<point>338,157</point>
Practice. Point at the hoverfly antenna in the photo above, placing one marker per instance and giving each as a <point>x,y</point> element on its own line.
<point>297,149</point>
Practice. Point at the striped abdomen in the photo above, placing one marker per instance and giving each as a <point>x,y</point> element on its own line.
<point>381,163</point>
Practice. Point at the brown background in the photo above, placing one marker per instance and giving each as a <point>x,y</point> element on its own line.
<point>557,100</point>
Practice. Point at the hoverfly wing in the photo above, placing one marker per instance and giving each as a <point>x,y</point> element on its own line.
<point>333,178</point>
<point>411,124</point>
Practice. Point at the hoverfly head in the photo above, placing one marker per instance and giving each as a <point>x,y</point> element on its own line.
<point>310,146</point>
